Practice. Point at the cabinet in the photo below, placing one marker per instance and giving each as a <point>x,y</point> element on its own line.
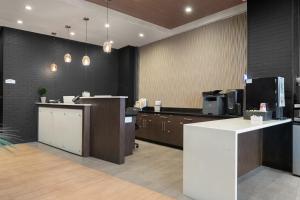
<point>164,128</point>
<point>61,128</point>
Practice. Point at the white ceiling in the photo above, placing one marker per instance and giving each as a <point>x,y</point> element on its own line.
<point>52,15</point>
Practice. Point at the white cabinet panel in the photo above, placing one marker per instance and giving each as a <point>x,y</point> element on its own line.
<point>61,128</point>
<point>71,137</point>
<point>59,122</point>
<point>45,126</point>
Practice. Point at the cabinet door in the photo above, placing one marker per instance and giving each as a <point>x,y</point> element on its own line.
<point>174,131</point>
<point>163,125</point>
<point>155,128</point>
<point>68,130</point>
<point>72,137</point>
<point>59,124</point>
<point>45,126</point>
<point>141,122</point>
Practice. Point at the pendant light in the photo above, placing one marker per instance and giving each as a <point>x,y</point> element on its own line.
<point>86,61</point>
<point>53,66</point>
<point>68,57</point>
<point>107,46</point>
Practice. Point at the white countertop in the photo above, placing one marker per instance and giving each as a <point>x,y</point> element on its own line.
<point>105,97</point>
<point>63,104</point>
<point>237,125</point>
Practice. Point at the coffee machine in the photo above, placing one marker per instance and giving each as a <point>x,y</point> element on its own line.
<point>234,102</point>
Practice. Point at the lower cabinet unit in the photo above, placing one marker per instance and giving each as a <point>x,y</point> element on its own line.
<point>63,128</point>
<point>165,129</point>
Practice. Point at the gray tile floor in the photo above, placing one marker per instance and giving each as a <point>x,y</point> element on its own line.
<point>269,184</point>
<point>159,168</point>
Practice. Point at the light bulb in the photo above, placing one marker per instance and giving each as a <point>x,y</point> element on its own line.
<point>53,67</point>
<point>107,47</point>
<point>86,60</point>
<point>68,58</point>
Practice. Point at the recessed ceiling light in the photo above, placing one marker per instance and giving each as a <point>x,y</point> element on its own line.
<point>107,25</point>
<point>20,22</point>
<point>72,33</point>
<point>111,42</point>
<point>188,9</point>
<point>141,35</point>
<point>28,7</point>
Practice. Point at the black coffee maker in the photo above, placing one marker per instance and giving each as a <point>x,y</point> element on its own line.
<point>234,102</point>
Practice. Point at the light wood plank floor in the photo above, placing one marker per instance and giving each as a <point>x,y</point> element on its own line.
<point>28,173</point>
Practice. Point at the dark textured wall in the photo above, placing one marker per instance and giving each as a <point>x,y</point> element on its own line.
<point>271,42</point>
<point>273,51</point>
<point>27,57</point>
<point>128,71</point>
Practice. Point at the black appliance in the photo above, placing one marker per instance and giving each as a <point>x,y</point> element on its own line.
<point>266,90</point>
<point>234,102</point>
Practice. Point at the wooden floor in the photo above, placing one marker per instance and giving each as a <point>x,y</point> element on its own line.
<point>27,173</point>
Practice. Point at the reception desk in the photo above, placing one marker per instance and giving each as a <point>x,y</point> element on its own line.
<point>107,141</point>
<point>213,156</point>
<point>96,127</point>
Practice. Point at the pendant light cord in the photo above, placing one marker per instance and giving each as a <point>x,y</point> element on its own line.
<point>54,42</point>
<point>107,19</point>
<point>68,31</point>
<point>86,19</point>
<point>86,26</point>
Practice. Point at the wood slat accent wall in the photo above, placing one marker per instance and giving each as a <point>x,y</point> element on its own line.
<point>178,69</point>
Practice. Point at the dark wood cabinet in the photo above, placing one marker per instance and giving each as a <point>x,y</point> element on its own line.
<point>165,129</point>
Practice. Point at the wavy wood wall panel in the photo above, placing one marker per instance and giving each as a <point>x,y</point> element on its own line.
<point>178,69</point>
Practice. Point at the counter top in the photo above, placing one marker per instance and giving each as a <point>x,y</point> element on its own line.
<point>237,125</point>
<point>211,156</point>
<point>62,104</point>
<point>105,97</point>
<point>188,113</point>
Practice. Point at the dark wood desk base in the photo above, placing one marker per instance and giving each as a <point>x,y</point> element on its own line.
<point>271,147</point>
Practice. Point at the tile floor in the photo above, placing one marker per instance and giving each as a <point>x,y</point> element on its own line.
<point>159,168</point>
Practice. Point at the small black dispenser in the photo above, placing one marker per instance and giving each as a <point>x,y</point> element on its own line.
<point>265,90</point>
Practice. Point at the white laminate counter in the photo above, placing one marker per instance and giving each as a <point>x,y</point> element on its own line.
<point>62,104</point>
<point>105,97</point>
<point>210,157</point>
<point>237,125</point>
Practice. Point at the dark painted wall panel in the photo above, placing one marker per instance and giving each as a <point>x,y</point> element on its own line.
<point>273,51</point>
<point>271,40</point>
<point>127,79</point>
<point>27,57</point>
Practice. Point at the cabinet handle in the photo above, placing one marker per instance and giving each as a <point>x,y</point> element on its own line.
<point>188,119</point>
<point>150,120</point>
<point>181,123</point>
<point>164,117</point>
<point>169,131</point>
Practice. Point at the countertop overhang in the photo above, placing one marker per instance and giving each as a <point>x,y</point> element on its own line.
<point>237,125</point>
<point>63,104</point>
<point>105,97</point>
